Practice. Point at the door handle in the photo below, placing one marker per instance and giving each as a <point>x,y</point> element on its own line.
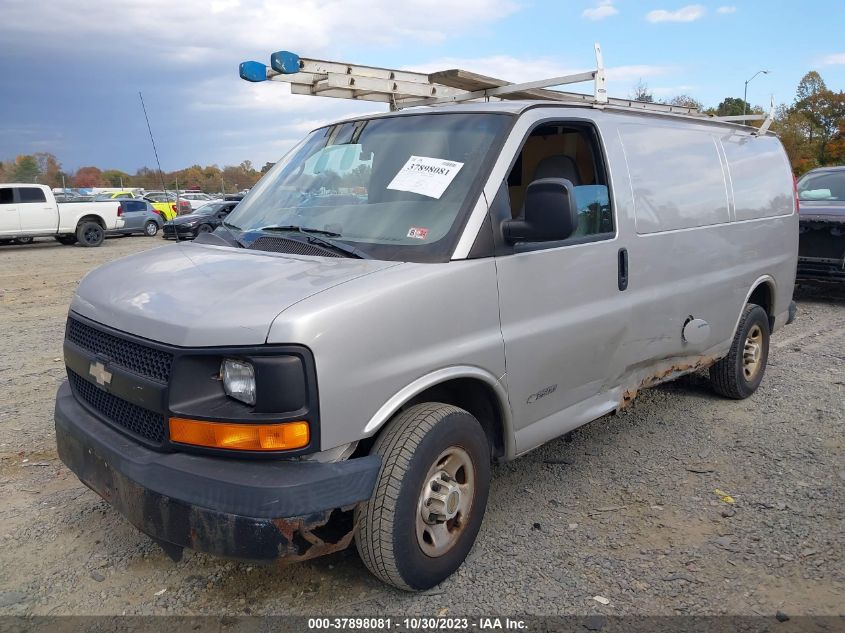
<point>623,269</point>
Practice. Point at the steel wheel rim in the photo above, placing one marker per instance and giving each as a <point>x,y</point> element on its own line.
<point>91,235</point>
<point>752,352</point>
<point>445,502</point>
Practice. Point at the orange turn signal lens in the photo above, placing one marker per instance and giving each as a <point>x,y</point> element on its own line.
<point>241,437</point>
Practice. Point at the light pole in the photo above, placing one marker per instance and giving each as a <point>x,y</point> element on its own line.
<point>745,95</point>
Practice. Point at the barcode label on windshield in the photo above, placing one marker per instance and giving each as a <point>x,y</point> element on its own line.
<point>425,176</point>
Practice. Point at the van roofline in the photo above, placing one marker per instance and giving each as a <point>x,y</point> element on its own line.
<point>518,107</point>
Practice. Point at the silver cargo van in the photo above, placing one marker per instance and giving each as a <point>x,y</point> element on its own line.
<point>406,297</point>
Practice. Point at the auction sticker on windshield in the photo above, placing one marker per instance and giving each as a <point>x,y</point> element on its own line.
<point>425,176</point>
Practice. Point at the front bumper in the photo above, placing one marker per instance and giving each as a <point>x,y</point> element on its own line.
<point>252,510</point>
<point>181,230</point>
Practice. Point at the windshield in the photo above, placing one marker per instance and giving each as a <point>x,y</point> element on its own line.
<point>823,187</point>
<point>396,188</point>
<point>208,209</point>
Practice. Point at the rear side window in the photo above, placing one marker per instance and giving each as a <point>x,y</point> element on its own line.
<point>131,205</point>
<point>7,195</point>
<point>31,194</point>
<point>760,176</point>
<point>677,178</point>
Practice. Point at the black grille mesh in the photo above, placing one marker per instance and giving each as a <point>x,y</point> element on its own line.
<point>142,422</point>
<point>143,360</point>
<point>292,247</point>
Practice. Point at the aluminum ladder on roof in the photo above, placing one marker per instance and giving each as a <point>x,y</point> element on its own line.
<point>405,89</point>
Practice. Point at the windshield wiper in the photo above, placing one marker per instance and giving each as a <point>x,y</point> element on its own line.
<point>312,235</point>
<point>300,229</point>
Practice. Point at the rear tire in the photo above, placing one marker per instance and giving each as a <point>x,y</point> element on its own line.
<point>429,501</point>
<point>150,229</point>
<point>739,373</point>
<point>89,233</point>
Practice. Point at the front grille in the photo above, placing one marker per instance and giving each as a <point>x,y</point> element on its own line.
<point>292,247</point>
<point>140,359</point>
<point>142,422</point>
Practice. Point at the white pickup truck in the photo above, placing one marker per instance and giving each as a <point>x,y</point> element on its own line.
<point>28,211</point>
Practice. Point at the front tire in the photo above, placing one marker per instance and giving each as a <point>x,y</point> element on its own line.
<point>739,373</point>
<point>430,497</point>
<point>150,229</point>
<point>90,233</point>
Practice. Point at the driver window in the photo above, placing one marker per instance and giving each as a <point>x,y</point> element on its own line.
<point>565,150</point>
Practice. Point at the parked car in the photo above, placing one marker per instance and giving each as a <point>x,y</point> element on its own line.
<point>204,220</point>
<point>821,252</point>
<point>139,217</point>
<point>167,204</point>
<point>347,370</point>
<point>114,195</point>
<point>28,211</point>
<point>196,200</point>
<point>234,196</point>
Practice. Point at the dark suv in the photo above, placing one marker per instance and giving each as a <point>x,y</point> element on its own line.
<point>821,251</point>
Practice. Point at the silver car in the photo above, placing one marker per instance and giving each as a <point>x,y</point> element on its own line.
<point>139,217</point>
<point>404,299</point>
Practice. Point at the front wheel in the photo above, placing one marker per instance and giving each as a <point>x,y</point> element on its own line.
<point>151,229</point>
<point>90,233</point>
<point>204,228</point>
<point>23,240</point>
<point>739,373</point>
<point>430,497</point>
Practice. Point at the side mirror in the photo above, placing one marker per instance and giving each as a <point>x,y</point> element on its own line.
<point>550,213</point>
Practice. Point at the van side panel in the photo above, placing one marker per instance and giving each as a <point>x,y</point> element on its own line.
<point>677,177</point>
<point>682,267</point>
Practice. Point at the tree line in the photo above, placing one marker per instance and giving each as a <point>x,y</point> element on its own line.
<point>44,168</point>
<point>812,129</point>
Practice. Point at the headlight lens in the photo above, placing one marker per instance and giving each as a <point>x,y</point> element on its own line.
<point>238,380</point>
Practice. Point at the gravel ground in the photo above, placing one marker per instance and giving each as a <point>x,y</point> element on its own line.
<point>625,508</point>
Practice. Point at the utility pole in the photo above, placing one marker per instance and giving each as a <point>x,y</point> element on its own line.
<point>745,94</point>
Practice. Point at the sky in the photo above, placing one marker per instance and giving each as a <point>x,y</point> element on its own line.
<point>72,69</point>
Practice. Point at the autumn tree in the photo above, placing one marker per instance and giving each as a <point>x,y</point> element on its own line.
<point>685,101</point>
<point>26,169</point>
<point>116,178</point>
<point>49,169</point>
<point>87,177</point>
<point>642,93</point>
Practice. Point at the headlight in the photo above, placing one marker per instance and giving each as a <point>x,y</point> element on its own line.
<point>238,380</point>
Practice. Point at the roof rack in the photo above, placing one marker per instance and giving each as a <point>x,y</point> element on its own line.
<point>405,89</point>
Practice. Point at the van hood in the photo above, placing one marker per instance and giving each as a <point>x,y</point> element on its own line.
<point>196,295</point>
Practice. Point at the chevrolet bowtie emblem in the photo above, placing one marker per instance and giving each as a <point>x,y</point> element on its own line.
<point>99,373</point>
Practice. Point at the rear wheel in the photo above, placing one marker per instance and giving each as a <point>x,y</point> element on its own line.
<point>739,373</point>
<point>89,233</point>
<point>430,496</point>
<point>150,228</point>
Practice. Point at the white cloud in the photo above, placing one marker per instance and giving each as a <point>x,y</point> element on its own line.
<point>603,9</point>
<point>205,32</point>
<point>689,13</point>
<point>834,59</point>
<point>726,10</point>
